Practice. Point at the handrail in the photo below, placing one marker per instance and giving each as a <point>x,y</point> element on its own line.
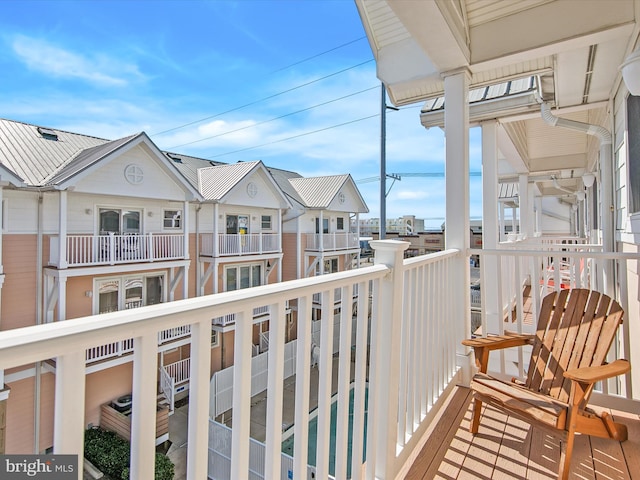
<point>38,342</point>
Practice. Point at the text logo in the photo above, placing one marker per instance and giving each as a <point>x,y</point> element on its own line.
<point>45,467</point>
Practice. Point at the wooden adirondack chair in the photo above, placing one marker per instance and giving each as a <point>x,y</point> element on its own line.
<point>575,330</point>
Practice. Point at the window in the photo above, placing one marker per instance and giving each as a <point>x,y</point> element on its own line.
<point>633,131</point>
<point>214,338</point>
<point>171,219</point>
<point>325,225</point>
<point>123,293</point>
<point>237,224</point>
<point>119,221</point>
<point>340,223</point>
<point>266,222</point>
<point>330,266</point>
<point>243,276</point>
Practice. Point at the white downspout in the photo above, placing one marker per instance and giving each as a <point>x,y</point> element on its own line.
<point>606,182</point>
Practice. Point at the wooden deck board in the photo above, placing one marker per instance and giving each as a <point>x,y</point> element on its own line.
<point>509,448</point>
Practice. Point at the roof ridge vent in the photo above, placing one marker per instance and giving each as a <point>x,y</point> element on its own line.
<point>47,133</point>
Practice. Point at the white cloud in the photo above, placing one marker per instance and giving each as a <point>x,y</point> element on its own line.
<point>42,56</point>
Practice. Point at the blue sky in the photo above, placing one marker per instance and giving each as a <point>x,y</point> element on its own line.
<point>291,83</point>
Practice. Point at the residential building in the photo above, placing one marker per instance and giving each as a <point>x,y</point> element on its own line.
<point>92,226</point>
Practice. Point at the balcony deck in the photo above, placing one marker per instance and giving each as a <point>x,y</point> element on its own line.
<point>508,448</point>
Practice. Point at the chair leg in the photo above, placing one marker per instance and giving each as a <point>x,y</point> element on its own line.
<point>475,419</point>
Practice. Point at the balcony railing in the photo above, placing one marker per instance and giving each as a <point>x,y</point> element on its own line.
<point>111,249</point>
<point>332,241</point>
<point>405,347</point>
<point>239,244</point>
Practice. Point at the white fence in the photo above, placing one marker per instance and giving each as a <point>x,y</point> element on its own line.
<point>221,399</point>
<point>220,457</point>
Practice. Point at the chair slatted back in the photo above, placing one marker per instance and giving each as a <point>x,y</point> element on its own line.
<point>575,329</point>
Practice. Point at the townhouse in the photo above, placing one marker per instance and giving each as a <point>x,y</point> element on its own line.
<point>91,226</point>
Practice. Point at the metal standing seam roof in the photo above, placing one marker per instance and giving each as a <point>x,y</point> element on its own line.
<point>87,157</point>
<point>188,166</point>
<point>318,192</point>
<point>282,178</point>
<point>215,182</point>
<point>35,158</point>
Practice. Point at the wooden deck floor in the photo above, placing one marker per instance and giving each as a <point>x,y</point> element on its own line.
<point>508,448</point>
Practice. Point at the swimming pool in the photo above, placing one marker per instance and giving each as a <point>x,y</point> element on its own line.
<point>287,444</point>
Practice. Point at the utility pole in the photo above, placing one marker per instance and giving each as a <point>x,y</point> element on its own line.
<point>383,162</point>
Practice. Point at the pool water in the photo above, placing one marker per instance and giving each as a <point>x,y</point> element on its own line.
<point>287,445</point>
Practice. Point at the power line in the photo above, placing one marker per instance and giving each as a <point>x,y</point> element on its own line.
<point>294,136</point>
<point>273,119</point>
<point>263,99</point>
<point>319,54</point>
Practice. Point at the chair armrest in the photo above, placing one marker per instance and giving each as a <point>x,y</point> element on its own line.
<point>483,345</point>
<point>498,342</point>
<point>591,375</point>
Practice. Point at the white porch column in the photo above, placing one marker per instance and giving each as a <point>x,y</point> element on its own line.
<point>280,225</point>
<point>68,418</point>
<point>525,206</point>
<point>199,379</point>
<point>321,242</point>
<point>143,415</point>
<point>62,297</point>
<point>490,224</point>
<point>216,231</point>
<point>456,131</point>
<point>185,229</point>
<point>299,252</point>
<point>538,226</point>
<point>62,229</point>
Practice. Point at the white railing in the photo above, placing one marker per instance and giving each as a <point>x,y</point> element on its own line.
<point>230,318</point>
<point>168,388</point>
<point>173,334</point>
<point>110,350</point>
<point>111,249</point>
<point>240,244</point>
<point>414,325</point>
<point>332,241</point>
<point>179,371</point>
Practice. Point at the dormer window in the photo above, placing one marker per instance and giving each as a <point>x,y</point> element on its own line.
<point>175,158</point>
<point>48,133</point>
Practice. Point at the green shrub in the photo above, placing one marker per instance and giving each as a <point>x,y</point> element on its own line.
<point>110,454</point>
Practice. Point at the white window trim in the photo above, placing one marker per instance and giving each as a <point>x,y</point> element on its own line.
<point>239,265</point>
<point>215,342</point>
<point>179,210</point>
<point>121,279</point>
<point>270,229</point>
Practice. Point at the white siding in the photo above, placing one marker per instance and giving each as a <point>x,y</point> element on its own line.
<point>110,179</point>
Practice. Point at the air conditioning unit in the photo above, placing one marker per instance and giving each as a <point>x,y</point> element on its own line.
<point>122,403</point>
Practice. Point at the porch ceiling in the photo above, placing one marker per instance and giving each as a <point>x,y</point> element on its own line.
<point>573,48</point>
<point>416,42</point>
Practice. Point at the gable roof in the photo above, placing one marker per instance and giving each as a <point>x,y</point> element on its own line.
<point>214,183</point>
<point>84,159</point>
<point>56,158</point>
<point>319,192</point>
